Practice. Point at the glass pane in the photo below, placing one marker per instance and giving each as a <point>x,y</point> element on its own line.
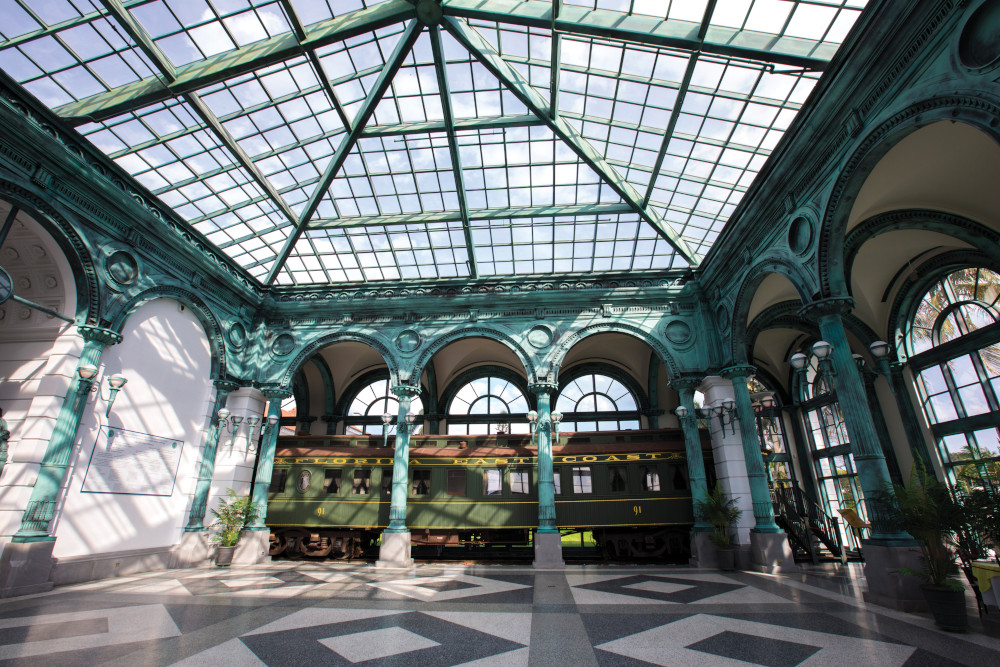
<point>991,359</point>
<point>421,483</point>
<point>974,400</point>
<point>386,481</point>
<point>331,481</point>
<point>650,479</point>
<point>492,482</point>
<point>963,370</point>
<point>361,482</point>
<point>582,482</point>
<point>932,381</point>
<point>944,409</point>
<point>278,477</point>
<point>520,481</point>
<point>617,479</point>
<point>988,442</point>
<point>956,446</point>
<point>456,482</point>
<point>557,482</point>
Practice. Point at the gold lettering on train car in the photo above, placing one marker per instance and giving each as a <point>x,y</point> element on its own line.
<point>340,462</point>
<point>569,459</point>
<point>613,458</point>
<point>589,458</point>
<point>481,462</point>
<point>653,456</point>
<point>360,460</point>
<point>637,510</point>
<point>500,461</point>
<point>632,457</point>
<point>320,511</point>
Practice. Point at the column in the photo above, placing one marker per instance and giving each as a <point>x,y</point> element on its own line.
<point>265,461</point>
<point>685,387</point>
<point>911,420</point>
<point>760,494</point>
<point>401,461</point>
<point>548,542</point>
<point>206,469</point>
<point>873,474</point>
<point>45,493</point>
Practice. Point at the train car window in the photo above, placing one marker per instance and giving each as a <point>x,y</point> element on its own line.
<point>305,479</point>
<point>362,481</point>
<point>618,479</point>
<point>456,483</point>
<point>582,481</point>
<point>520,480</point>
<point>679,480</point>
<point>278,478</point>
<point>421,482</point>
<point>492,482</point>
<point>557,482</point>
<point>331,481</point>
<point>386,481</point>
<point>650,479</point>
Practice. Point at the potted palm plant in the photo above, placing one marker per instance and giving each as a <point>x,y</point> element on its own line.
<point>722,512</point>
<point>927,510</point>
<point>231,516</point>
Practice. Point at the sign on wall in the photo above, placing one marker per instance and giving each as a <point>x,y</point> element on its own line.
<point>130,462</point>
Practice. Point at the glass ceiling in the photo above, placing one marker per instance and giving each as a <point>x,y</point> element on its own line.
<point>333,141</point>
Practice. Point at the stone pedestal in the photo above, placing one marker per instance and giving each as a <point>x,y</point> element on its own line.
<point>26,567</point>
<point>192,551</point>
<point>703,552</point>
<point>395,551</point>
<point>886,586</point>
<point>770,552</point>
<point>253,548</point>
<point>548,551</point>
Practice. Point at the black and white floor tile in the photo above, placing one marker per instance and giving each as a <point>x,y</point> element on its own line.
<point>486,616</point>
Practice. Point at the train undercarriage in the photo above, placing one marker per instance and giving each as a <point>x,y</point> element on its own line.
<point>611,544</point>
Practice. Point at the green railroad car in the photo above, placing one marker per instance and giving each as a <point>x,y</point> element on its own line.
<point>330,496</point>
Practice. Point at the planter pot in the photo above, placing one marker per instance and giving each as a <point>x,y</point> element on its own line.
<point>727,559</point>
<point>947,607</point>
<point>224,556</point>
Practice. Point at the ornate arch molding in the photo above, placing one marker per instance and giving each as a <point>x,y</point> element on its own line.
<point>362,381</point>
<point>567,344</point>
<point>612,371</point>
<point>216,340</point>
<point>88,302</point>
<point>329,339</point>
<point>908,298</point>
<point>965,229</point>
<point>784,315</point>
<point>800,279</point>
<point>973,109</point>
<point>476,372</point>
<point>473,332</point>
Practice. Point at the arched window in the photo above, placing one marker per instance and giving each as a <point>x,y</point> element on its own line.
<point>954,341</point>
<point>597,402</point>
<point>488,404</point>
<point>365,410</point>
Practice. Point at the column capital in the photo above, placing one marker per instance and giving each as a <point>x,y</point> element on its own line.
<point>226,386</point>
<point>539,387</point>
<point>689,382</point>
<point>406,390</point>
<point>743,371</point>
<point>100,335</point>
<point>275,391</point>
<point>834,305</point>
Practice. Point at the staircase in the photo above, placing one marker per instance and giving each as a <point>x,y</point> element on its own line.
<point>813,534</point>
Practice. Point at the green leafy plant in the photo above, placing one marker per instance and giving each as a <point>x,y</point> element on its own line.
<point>926,509</point>
<point>232,515</point>
<point>722,512</point>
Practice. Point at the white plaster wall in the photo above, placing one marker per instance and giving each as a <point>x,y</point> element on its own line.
<point>727,449</point>
<point>165,356</point>
<point>234,460</point>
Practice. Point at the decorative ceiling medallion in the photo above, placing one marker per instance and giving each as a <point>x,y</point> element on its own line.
<point>283,345</point>
<point>677,332</point>
<point>800,234</point>
<point>540,337</point>
<point>408,341</point>
<point>979,43</point>
<point>122,267</point>
<point>237,335</point>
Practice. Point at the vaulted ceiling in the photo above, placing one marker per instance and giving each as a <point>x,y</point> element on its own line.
<point>324,142</point>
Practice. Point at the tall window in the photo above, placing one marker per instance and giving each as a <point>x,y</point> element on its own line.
<point>596,402</point>
<point>367,407</point>
<point>833,462</point>
<point>955,346</point>
<point>488,404</point>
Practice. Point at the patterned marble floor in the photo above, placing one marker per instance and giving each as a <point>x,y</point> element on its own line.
<point>316,614</point>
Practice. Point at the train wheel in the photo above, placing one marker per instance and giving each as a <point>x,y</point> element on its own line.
<point>277,545</point>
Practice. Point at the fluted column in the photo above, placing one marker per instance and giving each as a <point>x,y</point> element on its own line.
<point>265,461</point>
<point>873,474</point>
<point>760,495</point>
<point>685,387</point>
<point>55,461</point>
<point>401,461</point>
<point>546,487</point>
<point>206,469</point>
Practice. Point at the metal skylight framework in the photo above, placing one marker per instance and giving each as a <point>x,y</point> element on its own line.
<point>346,141</point>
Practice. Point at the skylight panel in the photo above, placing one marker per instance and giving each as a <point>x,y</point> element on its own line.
<point>821,21</point>
<point>681,10</point>
<point>314,11</point>
<point>191,30</point>
<point>83,59</point>
<point>353,66</point>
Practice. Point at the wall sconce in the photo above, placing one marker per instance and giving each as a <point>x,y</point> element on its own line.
<point>232,423</point>
<point>405,427</point>
<point>551,424</point>
<point>880,353</point>
<point>798,361</point>
<point>725,412</point>
<point>88,372</point>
